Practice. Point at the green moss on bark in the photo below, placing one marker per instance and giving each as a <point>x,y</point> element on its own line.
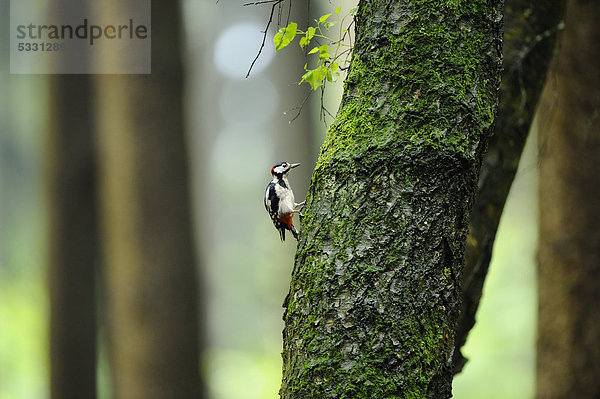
<point>416,80</point>
<point>367,287</point>
<point>375,293</point>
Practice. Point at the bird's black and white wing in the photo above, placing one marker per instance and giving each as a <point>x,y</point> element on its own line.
<point>271,201</point>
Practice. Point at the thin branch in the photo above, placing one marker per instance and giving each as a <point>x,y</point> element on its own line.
<point>324,111</point>
<point>280,6</point>
<point>289,14</point>
<point>257,3</point>
<point>300,107</point>
<point>275,3</point>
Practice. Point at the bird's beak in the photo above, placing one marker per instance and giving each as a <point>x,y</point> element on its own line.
<point>292,166</point>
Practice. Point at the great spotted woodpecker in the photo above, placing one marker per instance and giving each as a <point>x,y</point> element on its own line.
<point>279,199</point>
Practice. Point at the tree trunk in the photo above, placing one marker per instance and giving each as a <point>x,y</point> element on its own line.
<point>529,36</point>
<point>72,238</point>
<point>568,363</point>
<point>72,231</point>
<point>375,292</point>
<point>150,261</point>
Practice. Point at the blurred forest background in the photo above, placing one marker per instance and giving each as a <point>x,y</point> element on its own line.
<point>235,129</point>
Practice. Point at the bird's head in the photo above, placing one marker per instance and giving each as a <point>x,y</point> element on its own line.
<point>282,168</point>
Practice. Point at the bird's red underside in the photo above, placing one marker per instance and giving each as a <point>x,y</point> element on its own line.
<point>287,220</point>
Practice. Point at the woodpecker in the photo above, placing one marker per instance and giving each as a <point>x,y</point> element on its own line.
<point>279,199</point>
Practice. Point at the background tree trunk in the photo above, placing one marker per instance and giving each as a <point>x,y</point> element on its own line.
<point>375,291</point>
<point>150,273</point>
<point>72,232</point>
<point>568,363</point>
<point>529,36</point>
<point>72,238</point>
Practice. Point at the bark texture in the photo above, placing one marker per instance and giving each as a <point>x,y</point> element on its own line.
<point>568,363</point>
<point>150,262</point>
<point>375,292</point>
<point>529,39</point>
<point>72,238</point>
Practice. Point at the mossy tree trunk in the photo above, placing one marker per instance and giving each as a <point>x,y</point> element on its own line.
<point>568,362</point>
<point>529,36</point>
<point>150,273</point>
<point>375,292</point>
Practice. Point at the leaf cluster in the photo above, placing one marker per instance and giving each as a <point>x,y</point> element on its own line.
<point>327,66</point>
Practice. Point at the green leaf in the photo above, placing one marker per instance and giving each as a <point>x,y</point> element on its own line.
<point>285,36</point>
<point>327,25</point>
<point>314,50</point>
<point>277,40</point>
<point>304,41</point>
<point>324,17</point>
<point>314,77</point>
<point>337,10</point>
<point>332,72</point>
<point>324,52</point>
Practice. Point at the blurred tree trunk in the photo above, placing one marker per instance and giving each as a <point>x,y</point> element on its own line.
<point>151,282</point>
<point>529,37</point>
<point>72,238</point>
<point>72,232</point>
<point>568,363</point>
<point>375,292</point>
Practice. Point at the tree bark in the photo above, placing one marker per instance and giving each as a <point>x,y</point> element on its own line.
<point>375,292</point>
<point>72,232</point>
<point>72,238</point>
<point>529,37</point>
<point>150,262</point>
<point>568,363</point>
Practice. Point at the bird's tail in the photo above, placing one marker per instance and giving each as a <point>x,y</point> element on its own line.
<point>294,233</point>
<point>292,230</point>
